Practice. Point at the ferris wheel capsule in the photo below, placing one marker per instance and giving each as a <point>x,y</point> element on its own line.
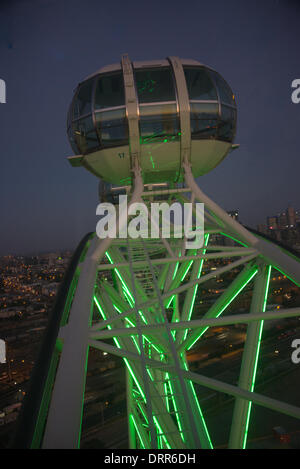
<point>159,113</point>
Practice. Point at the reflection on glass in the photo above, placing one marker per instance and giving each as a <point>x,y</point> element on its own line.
<point>204,110</point>
<point>199,84</point>
<point>226,95</point>
<point>204,118</point>
<point>154,85</point>
<point>204,128</point>
<point>227,124</point>
<point>110,91</point>
<point>85,135</point>
<point>112,127</point>
<point>158,122</point>
<point>83,99</point>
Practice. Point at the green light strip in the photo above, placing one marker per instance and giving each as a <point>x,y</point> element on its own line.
<point>137,431</point>
<point>142,412</point>
<point>176,319</point>
<point>119,346</point>
<point>167,398</point>
<point>161,432</point>
<point>127,296</point>
<point>198,407</point>
<point>234,239</point>
<point>176,268</point>
<point>127,293</point>
<point>175,407</point>
<point>225,306</point>
<point>287,276</point>
<point>196,286</point>
<point>186,271</point>
<point>256,357</point>
<point>181,280</point>
<point>120,277</point>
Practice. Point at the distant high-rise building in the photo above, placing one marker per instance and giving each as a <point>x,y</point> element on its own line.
<point>272,223</point>
<point>282,220</point>
<point>291,217</point>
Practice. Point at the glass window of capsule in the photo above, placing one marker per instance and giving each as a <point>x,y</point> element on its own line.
<point>97,115</point>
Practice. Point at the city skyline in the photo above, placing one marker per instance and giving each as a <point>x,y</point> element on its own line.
<point>38,187</point>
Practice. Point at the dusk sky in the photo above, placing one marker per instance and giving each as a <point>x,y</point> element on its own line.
<point>48,46</point>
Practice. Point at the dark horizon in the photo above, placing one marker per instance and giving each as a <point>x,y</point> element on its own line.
<point>48,46</point>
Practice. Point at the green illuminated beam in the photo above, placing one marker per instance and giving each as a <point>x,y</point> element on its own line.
<point>116,298</point>
<point>126,290</point>
<point>234,239</point>
<point>124,279</point>
<point>190,296</point>
<point>121,279</point>
<point>181,273</point>
<point>238,284</point>
<point>170,276</point>
<point>201,424</point>
<point>132,434</point>
<point>242,408</point>
<point>175,407</point>
<point>287,276</point>
<point>139,431</point>
<point>162,276</point>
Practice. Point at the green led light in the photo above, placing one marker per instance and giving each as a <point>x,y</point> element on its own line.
<point>119,346</point>
<point>126,291</point>
<point>225,306</point>
<point>198,407</point>
<point>167,398</point>
<point>181,280</point>
<point>176,268</point>
<point>196,286</point>
<point>161,432</point>
<point>234,239</point>
<point>186,271</point>
<point>175,408</point>
<point>256,358</point>
<point>137,431</point>
<point>142,412</point>
<point>121,279</point>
